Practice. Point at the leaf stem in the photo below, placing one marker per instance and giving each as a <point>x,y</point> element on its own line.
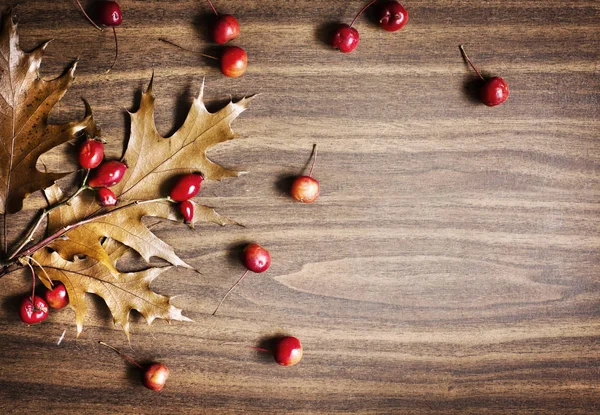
<point>122,354</point>
<point>46,212</point>
<point>43,243</point>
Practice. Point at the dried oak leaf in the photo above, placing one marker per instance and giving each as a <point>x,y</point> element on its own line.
<point>153,162</point>
<point>122,293</point>
<point>25,104</point>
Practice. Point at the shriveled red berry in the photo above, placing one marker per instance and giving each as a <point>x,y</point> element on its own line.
<point>33,312</point>
<point>91,154</point>
<point>187,210</point>
<point>106,197</point>
<point>234,61</point>
<point>226,28</point>
<point>392,16</point>
<point>305,189</point>
<point>256,258</point>
<point>109,13</point>
<point>155,376</point>
<point>345,39</point>
<point>57,297</point>
<point>288,351</point>
<point>186,187</point>
<point>108,174</point>
<point>494,91</point>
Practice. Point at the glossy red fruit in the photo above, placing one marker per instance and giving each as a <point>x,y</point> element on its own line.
<point>392,16</point>
<point>106,197</point>
<point>345,38</point>
<point>287,351</point>
<point>57,297</point>
<point>32,313</point>
<point>108,174</point>
<point>187,210</point>
<point>226,28</point>
<point>305,189</point>
<point>155,376</point>
<point>234,61</point>
<point>256,258</point>
<point>494,91</point>
<point>186,187</point>
<point>109,13</point>
<point>91,154</point>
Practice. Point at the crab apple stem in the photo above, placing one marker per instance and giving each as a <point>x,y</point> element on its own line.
<point>213,7</point>
<point>116,50</point>
<point>362,11</point>
<point>122,354</point>
<point>187,50</point>
<point>32,283</point>
<point>230,290</point>
<point>88,17</point>
<point>314,160</point>
<point>470,63</point>
<point>260,349</point>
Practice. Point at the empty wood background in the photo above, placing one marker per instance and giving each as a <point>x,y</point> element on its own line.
<point>450,265</point>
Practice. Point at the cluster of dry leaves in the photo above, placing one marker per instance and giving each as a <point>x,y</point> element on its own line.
<point>84,240</point>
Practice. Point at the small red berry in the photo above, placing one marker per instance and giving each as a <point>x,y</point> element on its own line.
<point>494,91</point>
<point>57,297</point>
<point>91,154</point>
<point>186,187</point>
<point>392,16</point>
<point>33,312</point>
<point>106,197</point>
<point>226,28</point>
<point>109,13</point>
<point>305,189</point>
<point>345,39</point>
<point>155,376</point>
<point>288,351</point>
<point>187,210</point>
<point>108,174</point>
<point>233,61</point>
<point>256,258</point>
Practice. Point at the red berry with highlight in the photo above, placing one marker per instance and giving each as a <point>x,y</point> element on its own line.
<point>186,187</point>
<point>91,154</point>
<point>288,351</point>
<point>155,376</point>
<point>57,297</point>
<point>256,258</point>
<point>305,189</point>
<point>109,14</point>
<point>494,91</point>
<point>106,197</point>
<point>108,174</point>
<point>33,312</point>
<point>226,28</point>
<point>392,16</point>
<point>345,39</point>
<point>187,210</point>
<point>234,61</point>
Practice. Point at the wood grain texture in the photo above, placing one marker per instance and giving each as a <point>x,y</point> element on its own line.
<point>450,265</point>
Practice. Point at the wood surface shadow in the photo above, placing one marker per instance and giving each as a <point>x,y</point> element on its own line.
<point>203,23</point>
<point>234,253</point>
<point>324,32</point>
<point>471,86</point>
<point>283,184</point>
<point>11,304</point>
<point>267,343</point>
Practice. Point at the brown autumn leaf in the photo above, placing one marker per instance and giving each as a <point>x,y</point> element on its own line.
<point>25,104</point>
<point>122,293</point>
<point>153,161</point>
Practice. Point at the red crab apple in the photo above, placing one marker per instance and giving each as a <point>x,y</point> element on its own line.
<point>57,297</point>
<point>225,28</point>
<point>494,91</point>
<point>33,309</point>
<point>392,16</point>
<point>306,189</point>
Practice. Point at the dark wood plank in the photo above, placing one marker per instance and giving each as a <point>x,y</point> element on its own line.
<point>450,265</point>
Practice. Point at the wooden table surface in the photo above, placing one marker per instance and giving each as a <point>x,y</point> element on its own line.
<point>450,265</point>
